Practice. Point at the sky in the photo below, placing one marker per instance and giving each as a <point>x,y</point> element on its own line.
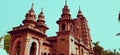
<point>102,16</point>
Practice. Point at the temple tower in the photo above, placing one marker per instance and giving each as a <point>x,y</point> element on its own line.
<point>85,31</point>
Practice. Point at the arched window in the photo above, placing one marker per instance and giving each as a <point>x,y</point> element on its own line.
<point>48,53</point>
<point>33,49</point>
<point>71,27</point>
<point>62,54</point>
<point>18,48</point>
<point>63,26</point>
<point>82,52</point>
<point>53,54</point>
<point>44,54</point>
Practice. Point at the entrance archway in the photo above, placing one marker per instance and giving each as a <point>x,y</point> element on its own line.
<point>33,49</point>
<point>18,48</point>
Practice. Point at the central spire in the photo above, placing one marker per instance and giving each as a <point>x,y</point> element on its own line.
<point>65,2</point>
<point>65,11</point>
<point>41,11</point>
<point>30,17</point>
<point>41,22</point>
<point>41,15</point>
<point>79,12</point>
<point>32,6</point>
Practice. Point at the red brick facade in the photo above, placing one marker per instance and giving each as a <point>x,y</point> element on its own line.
<point>73,37</point>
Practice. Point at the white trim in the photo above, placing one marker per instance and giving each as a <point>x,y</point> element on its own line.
<point>30,43</point>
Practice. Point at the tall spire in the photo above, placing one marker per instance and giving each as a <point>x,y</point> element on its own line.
<point>32,6</point>
<point>65,2</point>
<point>79,12</point>
<point>41,11</point>
<point>30,17</point>
<point>31,12</point>
<point>41,22</point>
<point>41,15</point>
<point>66,11</point>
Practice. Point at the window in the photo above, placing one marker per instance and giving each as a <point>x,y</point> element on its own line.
<point>63,26</point>
<point>44,54</point>
<point>18,48</point>
<point>71,40</point>
<point>33,49</point>
<point>48,53</point>
<point>82,52</point>
<point>62,54</point>
<point>62,39</point>
<point>53,54</point>
<point>71,28</point>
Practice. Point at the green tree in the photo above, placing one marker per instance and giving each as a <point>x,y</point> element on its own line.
<point>118,34</point>
<point>6,42</point>
<point>1,38</point>
<point>98,49</point>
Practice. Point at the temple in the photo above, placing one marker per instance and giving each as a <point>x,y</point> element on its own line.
<point>73,36</point>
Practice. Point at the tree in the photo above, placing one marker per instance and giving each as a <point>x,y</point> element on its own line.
<point>98,49</point>
<point>1,38</point>
<point>6,42</point>
<point>118,34</point>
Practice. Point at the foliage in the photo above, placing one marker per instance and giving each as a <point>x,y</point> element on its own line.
<point>6,42</point>
<point>99,50</point>
<point>1,38</point>
<point>118,34</point>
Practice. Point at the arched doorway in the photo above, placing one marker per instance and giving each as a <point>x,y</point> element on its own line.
<point>18,48</point>
<point>33,49</point>
<point>44,54</point>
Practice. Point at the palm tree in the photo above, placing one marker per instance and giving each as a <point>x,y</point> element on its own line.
<point>98,49</point>
<point>118,34</point>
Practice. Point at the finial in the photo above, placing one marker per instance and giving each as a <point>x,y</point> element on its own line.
<point>42,9</point>
<point>79,9</point>
<point>32,6</point>
<point>65,2</point>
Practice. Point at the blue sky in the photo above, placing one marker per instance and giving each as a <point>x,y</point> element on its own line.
<point>102,16</point>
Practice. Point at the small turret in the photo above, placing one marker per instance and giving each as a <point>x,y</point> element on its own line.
<point>30,18</point>
<point>66,12</point>
<point>79,15</point>
<point>41,23</point>
<point>65,22</point>
<point>41,15</point>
